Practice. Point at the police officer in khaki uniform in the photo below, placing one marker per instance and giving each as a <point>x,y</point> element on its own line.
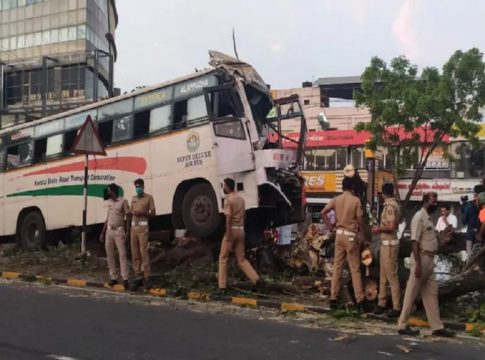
<point>422,278</point>
<point>114,232</point>
<point>389,252</point>
<point>143,208</point>
<point>349,222</point>
<point>235,212</point>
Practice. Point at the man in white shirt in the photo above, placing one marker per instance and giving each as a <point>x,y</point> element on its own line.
<point>446,219</point>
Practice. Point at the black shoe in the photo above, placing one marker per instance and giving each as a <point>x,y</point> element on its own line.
<point>135,285</point>
<point>444,333</point>
<point>379,310</point>
<point>113,282</point>
<point>408,331</point>
<point>393,314</point>
<point>220,292</point>
<point>260,286</point>
<point>126,284</point>
<point>333,305</point>
<point>364,307</point>
<point>148,284</point>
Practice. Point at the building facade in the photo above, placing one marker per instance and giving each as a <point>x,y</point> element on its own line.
<point>54,55</point>
<point>331,97</point>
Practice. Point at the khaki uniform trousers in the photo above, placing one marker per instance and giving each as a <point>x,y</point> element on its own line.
<point>236,244</point>
<point>116,238</point>
<point>347,247</point>
<point>427,287</point>
<point>139,251</point>
<point>388,273</point>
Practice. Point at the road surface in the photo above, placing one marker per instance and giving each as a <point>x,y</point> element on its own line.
<point>38,322</point>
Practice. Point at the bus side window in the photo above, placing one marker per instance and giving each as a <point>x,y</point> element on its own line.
<point>69,138</point>
<point>106,132</point>
<point>196,109</point>
<point>160,118</point>
<point>19,155</point>
<point>40,147</point>
<point>141,126</point>
<point>123,129</point>
<point>180,114</point>
<point>54,145</point>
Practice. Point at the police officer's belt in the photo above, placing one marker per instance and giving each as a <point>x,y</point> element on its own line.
<point>428,253</point>
<point>139,223</point>
<point>114,228</point>
<point>345,232</point>
<point>389,242</point>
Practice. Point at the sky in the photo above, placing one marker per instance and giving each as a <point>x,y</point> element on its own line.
<point>289,41</point>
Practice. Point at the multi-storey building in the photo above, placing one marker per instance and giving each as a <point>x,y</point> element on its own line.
<point>54,55</point>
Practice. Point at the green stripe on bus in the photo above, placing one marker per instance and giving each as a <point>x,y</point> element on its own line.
<point>95,190</point>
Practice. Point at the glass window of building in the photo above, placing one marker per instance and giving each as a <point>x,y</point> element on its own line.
<point>72,34</point>
<point>81,32</point>
<point>63,34</point>
<point>37,39</point>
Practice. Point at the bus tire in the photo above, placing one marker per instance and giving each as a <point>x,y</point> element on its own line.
<point>200,212</point>
<point>32,231</point>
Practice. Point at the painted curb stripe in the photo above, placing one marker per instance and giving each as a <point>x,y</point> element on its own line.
<point>133,164</point>
<point>10,275</point>
<point>418,322</point>
<point>116,287</point>
<point>158,292</point>
<point>244,301</point>
<point>292,307</point>
<point>197,296</point>
<point>76,282</point>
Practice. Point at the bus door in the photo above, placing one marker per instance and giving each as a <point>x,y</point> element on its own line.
<point>231,145</point>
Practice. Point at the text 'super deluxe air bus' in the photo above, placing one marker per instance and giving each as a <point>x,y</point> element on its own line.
<point>183,137</point>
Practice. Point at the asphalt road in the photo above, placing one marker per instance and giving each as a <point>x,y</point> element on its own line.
<point>48,322</point>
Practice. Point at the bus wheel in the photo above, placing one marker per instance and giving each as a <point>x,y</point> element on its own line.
<point>32,232</point>
<point>200,212</point>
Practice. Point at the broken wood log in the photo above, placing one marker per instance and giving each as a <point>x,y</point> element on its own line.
<point>469,281</point>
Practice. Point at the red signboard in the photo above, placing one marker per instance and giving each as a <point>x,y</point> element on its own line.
<point>344,138</point>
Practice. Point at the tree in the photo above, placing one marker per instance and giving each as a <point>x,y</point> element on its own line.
<point>413,114</point>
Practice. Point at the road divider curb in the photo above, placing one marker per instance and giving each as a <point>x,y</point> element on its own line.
<point>195,295</point>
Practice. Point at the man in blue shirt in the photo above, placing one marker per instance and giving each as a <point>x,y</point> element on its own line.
<point>470,218</point>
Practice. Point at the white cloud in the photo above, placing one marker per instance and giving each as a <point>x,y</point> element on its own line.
<point>404,30</point>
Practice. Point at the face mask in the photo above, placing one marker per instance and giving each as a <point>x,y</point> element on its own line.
<point>432,208</point>
<point>139,191</point>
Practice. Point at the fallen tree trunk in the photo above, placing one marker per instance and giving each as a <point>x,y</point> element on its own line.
<point>469,281</point>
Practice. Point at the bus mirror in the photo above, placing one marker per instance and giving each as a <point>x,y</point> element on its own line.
<point>322,120</point>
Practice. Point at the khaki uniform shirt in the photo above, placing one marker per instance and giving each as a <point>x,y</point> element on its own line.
<point>235,208</point>
<point>390,214</point>
<point>117,211</point>
<point>422,231</point>
<point>143,203</point>
<point>348,210</point>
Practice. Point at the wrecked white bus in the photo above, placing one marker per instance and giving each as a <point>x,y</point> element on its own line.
<point>183,137</point>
